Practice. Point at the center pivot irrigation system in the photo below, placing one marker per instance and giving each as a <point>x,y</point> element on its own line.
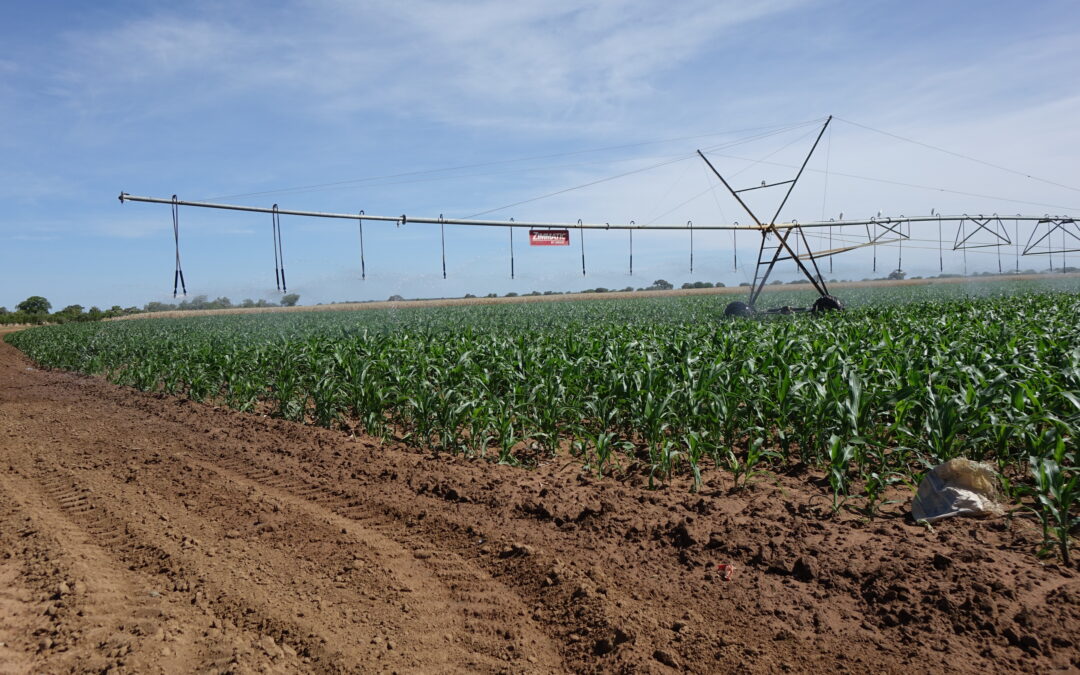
<point>777,238</point>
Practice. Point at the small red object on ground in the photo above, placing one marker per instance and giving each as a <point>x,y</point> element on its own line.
<point>725,571</point>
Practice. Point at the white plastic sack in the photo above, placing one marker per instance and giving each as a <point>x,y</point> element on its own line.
<point>959,487</point>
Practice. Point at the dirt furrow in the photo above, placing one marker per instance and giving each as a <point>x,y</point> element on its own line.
<point>554,604</point>
<point>365,600</point>
<point>313,619</point>
<point>95,613</point>
<point>22,607</point>
<point>489,621</point>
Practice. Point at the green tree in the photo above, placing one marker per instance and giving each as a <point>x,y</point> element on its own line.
<point>196,302</point>
<point>290,300</point>
<point>35,304</point>
<point>73,310</point>
<point>661,285</point>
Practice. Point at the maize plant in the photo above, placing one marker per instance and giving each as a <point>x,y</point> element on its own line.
<point>1057,495</point>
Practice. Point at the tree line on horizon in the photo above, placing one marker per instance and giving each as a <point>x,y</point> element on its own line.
<point>37,309</point>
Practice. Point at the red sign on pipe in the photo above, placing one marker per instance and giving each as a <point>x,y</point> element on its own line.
<point>549,237</point>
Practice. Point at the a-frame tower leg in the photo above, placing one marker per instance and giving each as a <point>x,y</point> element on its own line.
<point>768,256</point>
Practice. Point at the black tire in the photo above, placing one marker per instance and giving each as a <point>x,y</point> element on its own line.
<point>738,309</point>
<point>827,303</point>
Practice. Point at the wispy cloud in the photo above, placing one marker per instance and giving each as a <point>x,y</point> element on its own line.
<point>549,66</point>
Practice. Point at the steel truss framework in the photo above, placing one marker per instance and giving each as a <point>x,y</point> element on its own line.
<point>1070,236</point>
<point>993,226</point>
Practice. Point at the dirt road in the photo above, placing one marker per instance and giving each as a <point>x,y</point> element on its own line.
<point>143,534</point>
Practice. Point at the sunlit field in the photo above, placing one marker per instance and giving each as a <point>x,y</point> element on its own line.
<point>908,377</point>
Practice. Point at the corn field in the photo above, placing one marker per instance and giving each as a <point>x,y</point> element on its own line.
<point>872,397</point>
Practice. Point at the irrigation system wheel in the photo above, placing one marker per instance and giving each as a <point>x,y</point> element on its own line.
<point>738,308</point>
<point>827,303</point>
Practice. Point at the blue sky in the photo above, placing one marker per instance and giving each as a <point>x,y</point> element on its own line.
<point>225,100</point>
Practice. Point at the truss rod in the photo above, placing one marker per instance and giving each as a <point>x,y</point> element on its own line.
<point>765,185</point>
<point>405,219</point>
<point>887,221</point>
<point>125,197</point>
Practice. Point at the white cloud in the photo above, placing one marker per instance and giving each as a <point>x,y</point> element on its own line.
<point>551,65</point>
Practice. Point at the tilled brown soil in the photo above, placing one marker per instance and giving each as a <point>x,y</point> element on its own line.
<point>141,534</point>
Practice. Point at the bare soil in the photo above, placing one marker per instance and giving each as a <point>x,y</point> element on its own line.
<point>146,534</point>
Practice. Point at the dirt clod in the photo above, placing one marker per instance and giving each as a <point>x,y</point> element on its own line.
<point>804,569</point>
<point>941,562</point>
<point>665,658</point>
